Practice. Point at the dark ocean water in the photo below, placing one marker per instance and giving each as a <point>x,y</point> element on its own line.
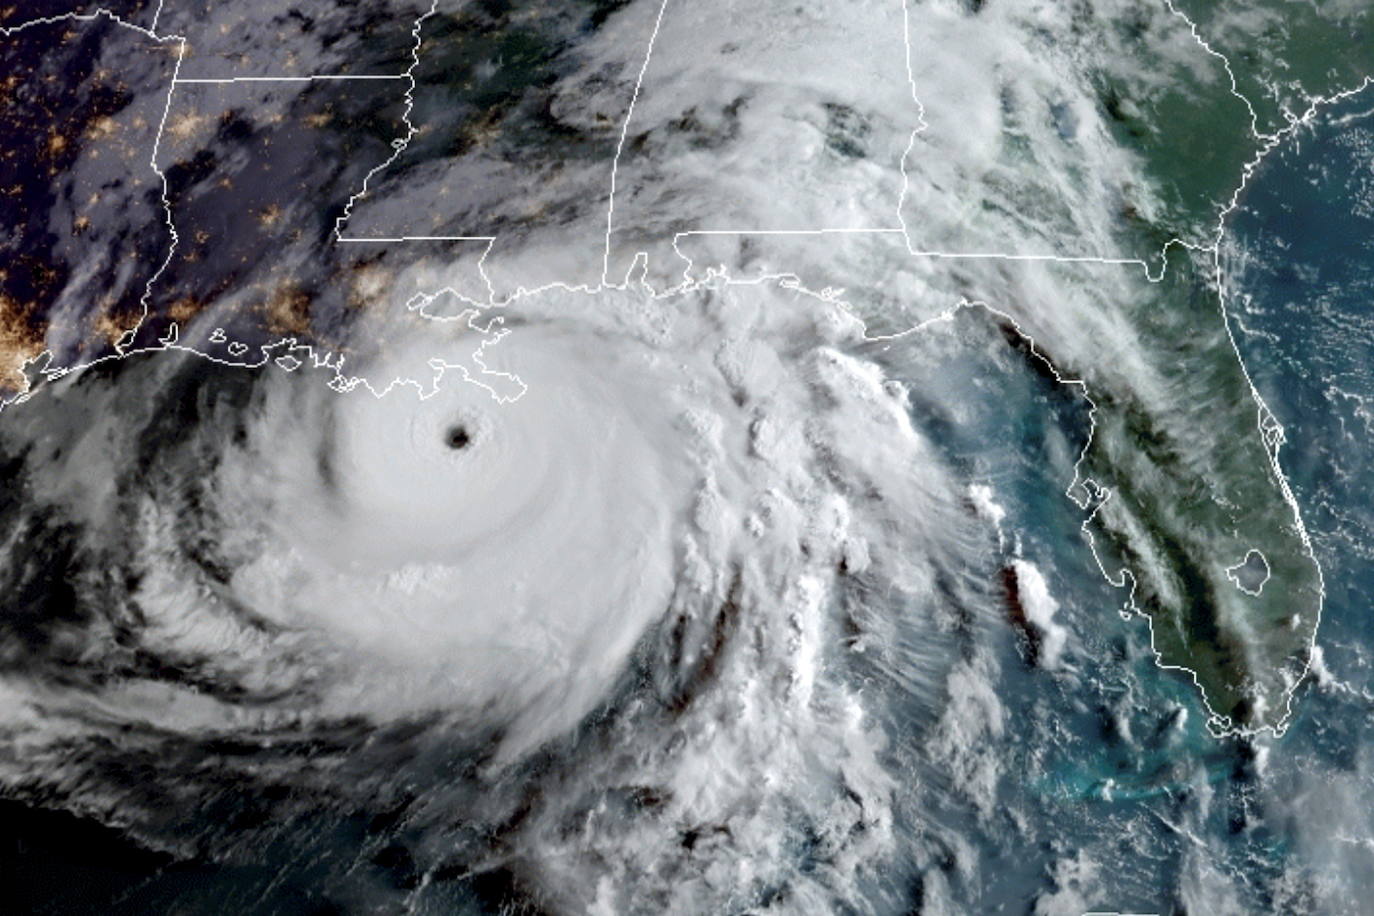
<point>1086,785</point>
<point>1099,757</point>
<point>1301,269</point>
<point>1110,794</point>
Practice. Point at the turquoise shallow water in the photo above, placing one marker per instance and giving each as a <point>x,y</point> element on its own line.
<point>1100,755</point>
<point>1110,794</point>
<point>1088,785</point>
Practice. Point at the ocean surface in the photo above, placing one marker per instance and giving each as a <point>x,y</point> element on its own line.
<point>1044,762</point>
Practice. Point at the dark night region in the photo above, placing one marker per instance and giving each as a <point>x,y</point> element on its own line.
<point>788,457</point>
<point>296,37</point>
<point>83,227</point>
<point>258,177</point>
<point>471,108</point>
<point>18,12</point>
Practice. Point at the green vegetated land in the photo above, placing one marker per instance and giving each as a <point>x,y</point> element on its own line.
<point>1193,491</point>
<point>1284,53</point>
<point>1192,478</point>
<point>1168,100</point>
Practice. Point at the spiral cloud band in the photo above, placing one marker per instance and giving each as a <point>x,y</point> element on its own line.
<point>660,529</point>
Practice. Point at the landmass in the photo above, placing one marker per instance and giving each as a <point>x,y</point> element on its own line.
<point>206,188</point>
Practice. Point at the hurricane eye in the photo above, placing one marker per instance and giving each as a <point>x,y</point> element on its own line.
<point>457,437</point>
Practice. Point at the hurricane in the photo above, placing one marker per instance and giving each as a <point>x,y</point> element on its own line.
<point>674,531</point>
<point>648,457</point>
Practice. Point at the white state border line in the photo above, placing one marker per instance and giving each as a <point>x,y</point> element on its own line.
<point>399,144</point>
<point>127,338</point>
<point>1266,424</point>
<point>41,361</point>
<point>420,238</point>
<point>1152,274</point>
<point>98,13</point>
<point>146,301</point>
<point>620,144</point>
<point>1271,433</point>
<point>1217,724</point>
<point>218,80</point>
